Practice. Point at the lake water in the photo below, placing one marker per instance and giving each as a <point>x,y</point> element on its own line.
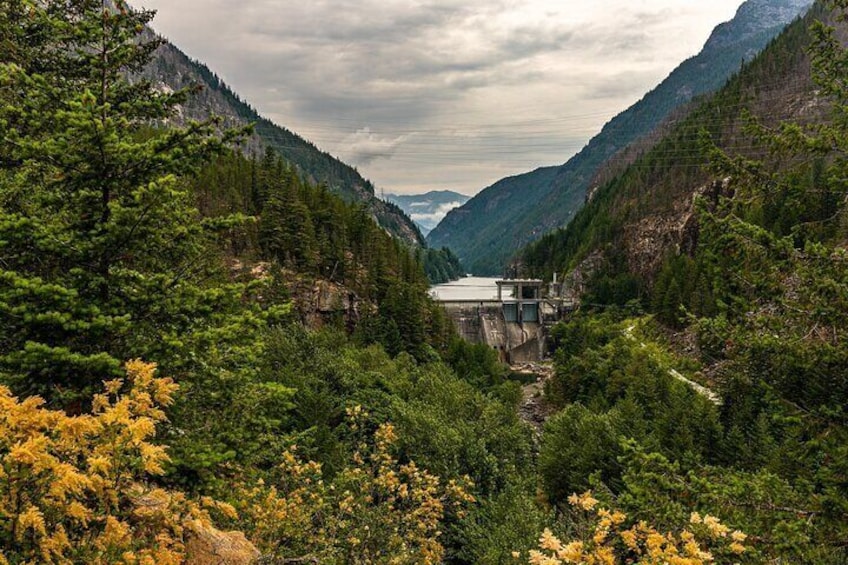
<point>469,288</point>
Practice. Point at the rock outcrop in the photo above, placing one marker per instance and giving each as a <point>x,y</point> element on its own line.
<point>207,545</point>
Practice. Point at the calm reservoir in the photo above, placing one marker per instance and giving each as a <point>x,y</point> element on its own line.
<point>468,288</point>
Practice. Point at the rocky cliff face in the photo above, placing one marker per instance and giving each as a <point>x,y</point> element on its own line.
<point>649,239</point>
<point>754,16</point>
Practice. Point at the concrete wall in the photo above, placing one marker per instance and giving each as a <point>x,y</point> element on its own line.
<point>484,322</point>
<point>529,352</point>
<point>467,320</point>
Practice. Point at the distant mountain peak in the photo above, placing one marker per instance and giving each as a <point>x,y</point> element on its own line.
<point>428,209</point>
<point>755,16</point>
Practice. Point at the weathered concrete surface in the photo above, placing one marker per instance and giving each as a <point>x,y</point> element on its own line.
<point>468,319</point>
<point>531,350</point>
<point>483,322</point>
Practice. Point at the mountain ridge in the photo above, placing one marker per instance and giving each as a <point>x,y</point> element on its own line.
<point>429,208</point>
<point>486,241</point>
<point>172,69</point>
<point>639,216</point>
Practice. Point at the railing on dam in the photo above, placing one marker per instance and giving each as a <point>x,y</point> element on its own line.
<point>494,303</point>
<point>469,302</point>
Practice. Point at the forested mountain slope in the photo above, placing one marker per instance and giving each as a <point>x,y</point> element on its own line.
<point>497,222</point>
<point>171,69</point>
<point>724,249</point>
<point>644,213</point>
<point>479,231</point>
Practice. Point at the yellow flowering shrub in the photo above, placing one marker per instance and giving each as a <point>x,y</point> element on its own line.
<point>376,510</point>
<point>72,488</point>
<point>607,540</point>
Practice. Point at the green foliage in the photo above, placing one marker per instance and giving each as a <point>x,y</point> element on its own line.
<point>102,250</point>
<point>763,291</point>
<point>579,446</point>
<point>104,254</point>
<point>501,524</point>
<point>682,287</point>
<point>441,265</point>
<point>786,518</point>
<point>619,366</point>
<point>476,363</point>
<point>612,285</point>
<point>444,423</point>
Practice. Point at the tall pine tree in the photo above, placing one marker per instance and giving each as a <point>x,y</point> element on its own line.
<point>100,245</point>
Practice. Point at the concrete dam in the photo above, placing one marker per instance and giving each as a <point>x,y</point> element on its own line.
<point>515,322</point>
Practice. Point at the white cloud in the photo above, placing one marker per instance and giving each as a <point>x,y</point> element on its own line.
<point>435,216</point>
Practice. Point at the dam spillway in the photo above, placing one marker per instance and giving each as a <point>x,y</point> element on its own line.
<point>512,318</point>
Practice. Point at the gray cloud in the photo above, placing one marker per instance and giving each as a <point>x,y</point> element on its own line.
<point>619,85</point>
<point>364,147</point>
<point>441,93</point>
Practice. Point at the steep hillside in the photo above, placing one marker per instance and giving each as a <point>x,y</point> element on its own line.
<point>732,234</point>
<point>640,216</point>
<point>476,231</point>
<point>532,204</point>
<point>428,209</point>
<point>173,69</point>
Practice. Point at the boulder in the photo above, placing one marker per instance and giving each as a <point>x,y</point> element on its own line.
<point>207,545</point>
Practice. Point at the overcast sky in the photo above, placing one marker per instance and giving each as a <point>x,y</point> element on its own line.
<point>441,94</point>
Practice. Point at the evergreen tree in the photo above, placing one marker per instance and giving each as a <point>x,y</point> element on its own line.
<point>100,245</point>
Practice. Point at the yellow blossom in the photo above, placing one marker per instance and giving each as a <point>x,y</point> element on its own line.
<point>600,535</point>
<point>605,556</point>
<point>715,527</point>
<point>78,512</point>
<point>153,456</point>
<point>629,538</point>
<point>85,481</point>
<point>114,386</point>
<point>31,520</point>
<point>549,542</point>
<point>572,552</point>
<point>584,501</point>
<point>737,548</point>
